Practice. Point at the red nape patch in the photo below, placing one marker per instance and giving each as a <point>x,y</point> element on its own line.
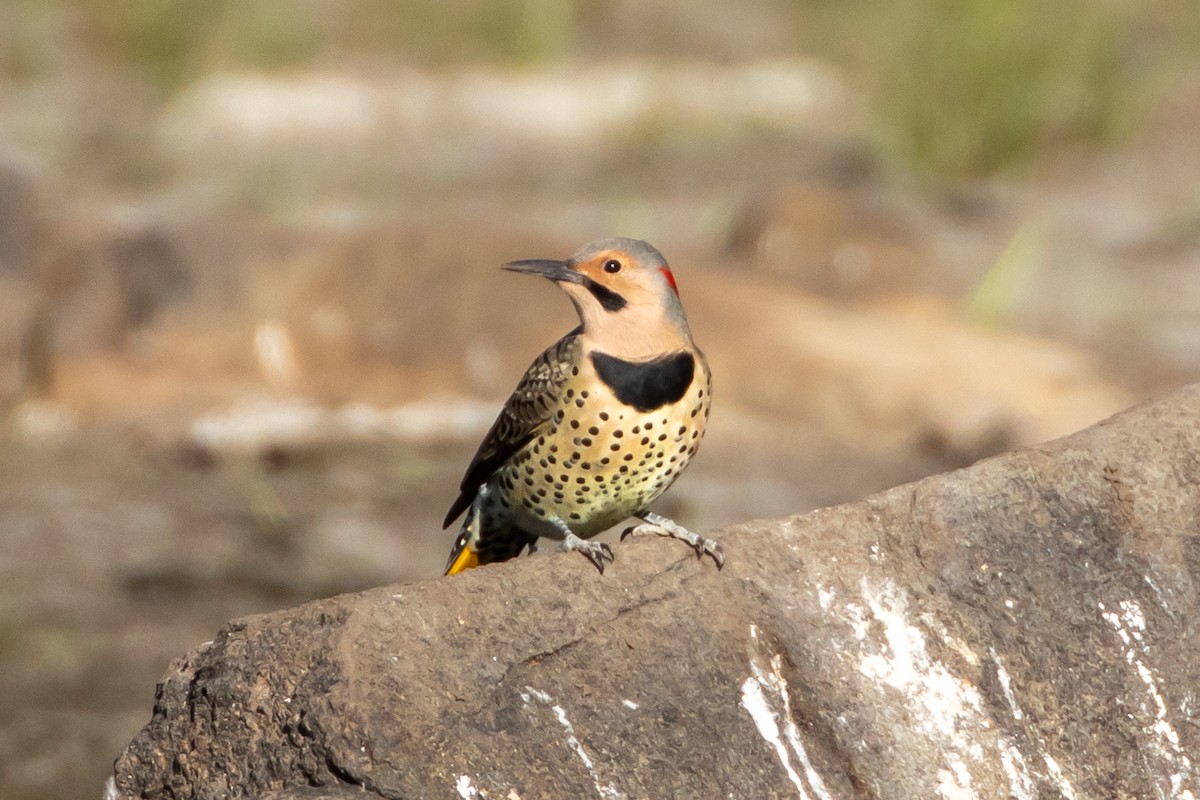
<point>670,279</point>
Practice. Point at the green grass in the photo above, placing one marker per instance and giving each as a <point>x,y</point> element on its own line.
<point>438,32</point>
<point>964,89</point>
<point>999,292</point>
<point>953,90</point>
<point>172,42</point>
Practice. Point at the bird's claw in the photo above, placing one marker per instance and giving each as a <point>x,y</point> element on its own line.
<point>702,545</point>
<point>596,552</point>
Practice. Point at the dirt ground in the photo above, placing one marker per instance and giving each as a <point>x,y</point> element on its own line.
<point>213,410</point>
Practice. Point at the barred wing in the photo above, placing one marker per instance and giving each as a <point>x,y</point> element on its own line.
<point>531,405</point>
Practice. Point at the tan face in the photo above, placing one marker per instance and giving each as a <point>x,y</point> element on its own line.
<point>625,296</point>
<point>629,308</point>
<point>617,281</point>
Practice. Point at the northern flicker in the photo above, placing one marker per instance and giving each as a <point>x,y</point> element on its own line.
<point>602,422</point>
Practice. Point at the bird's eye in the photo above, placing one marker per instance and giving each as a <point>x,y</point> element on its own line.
<point>612,265</point>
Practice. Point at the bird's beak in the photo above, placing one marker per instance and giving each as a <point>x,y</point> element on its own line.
<point>557,271</point>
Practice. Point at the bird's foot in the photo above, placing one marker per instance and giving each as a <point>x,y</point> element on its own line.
<point>661,526</point>
<point>596,552</point>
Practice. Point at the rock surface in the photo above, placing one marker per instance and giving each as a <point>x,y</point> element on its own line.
<point>1020,628</point>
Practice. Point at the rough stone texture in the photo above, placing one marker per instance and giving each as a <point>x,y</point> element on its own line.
<point>1021,628</point>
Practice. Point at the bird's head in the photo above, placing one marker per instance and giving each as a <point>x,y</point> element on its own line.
<point>625,295</point>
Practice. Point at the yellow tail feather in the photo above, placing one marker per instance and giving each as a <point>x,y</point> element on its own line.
<point>465,560</point>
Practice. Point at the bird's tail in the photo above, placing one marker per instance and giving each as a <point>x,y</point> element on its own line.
<point>464,556</point>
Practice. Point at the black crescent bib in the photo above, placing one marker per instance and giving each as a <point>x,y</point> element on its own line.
<point>647,385</point>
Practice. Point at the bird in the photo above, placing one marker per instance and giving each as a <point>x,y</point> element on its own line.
<point>600,425</point>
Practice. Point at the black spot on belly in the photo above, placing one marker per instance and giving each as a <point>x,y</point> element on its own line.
<point>647,385</point>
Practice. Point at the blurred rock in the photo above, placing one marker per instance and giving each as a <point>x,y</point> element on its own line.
<point>36,357</point>
<point>901,372</point>
<point>905,372</point>
<point>20,339</point>
<point>230,121</point>
<point>263,426</point>
<point>1020,628</point>
<point>381,316</point>
<point>834,241</point>
<point>100,282</point>
<point>21,220</point>
<point>152,272</point>
<point>43,421</point>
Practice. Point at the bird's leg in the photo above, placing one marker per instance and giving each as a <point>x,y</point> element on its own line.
<point>661,526</point>
<point>596,552</point>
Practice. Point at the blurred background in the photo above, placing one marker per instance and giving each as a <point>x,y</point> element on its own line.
<point>252,325</point>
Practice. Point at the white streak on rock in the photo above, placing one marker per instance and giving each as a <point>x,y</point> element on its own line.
<point>1129,623</point>
<point>605,791</point>
<point>941,704</point>
<point>766,681</point>
<point>572,739</point>
<point>856,615</point>
<point>1158,594</point>
<point>1019,779</point>
<point>952,641</point>
<point>941,700</point>
<point>755,703</point>
<point>466,789</point>
<point>536,694</point>
<point>1020,782</point>
<point>955,784</point>
<point>1064,785</point>
<point>1006,687</point>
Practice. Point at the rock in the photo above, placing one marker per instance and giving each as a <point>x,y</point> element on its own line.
<point>1020,628</point>
<point>22,219</point>
<point>834,241</point>
<point>101,281</point>
<point>892,375</point>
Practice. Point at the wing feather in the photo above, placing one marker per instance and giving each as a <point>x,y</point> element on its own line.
<point>530,407</point>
